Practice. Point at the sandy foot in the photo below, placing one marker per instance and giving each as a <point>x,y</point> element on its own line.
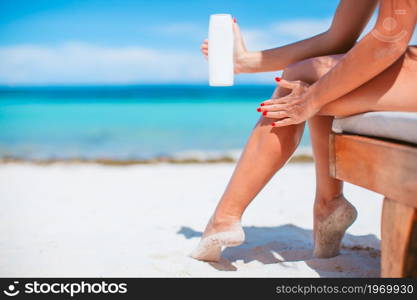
<point>210,247</point>
<point>329,232</point>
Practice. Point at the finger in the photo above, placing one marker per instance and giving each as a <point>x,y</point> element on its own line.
<point>283,122</point>
<point>282,100</point>
<point>275,114</point>
<point>289,84</point>
<point>274,107</point>
<point>267,102</point>
<point>238,38</point>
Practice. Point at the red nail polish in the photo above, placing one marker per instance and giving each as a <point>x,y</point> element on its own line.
<point>277,79</point>
<point>262,104</point>
<point>273,124</point>
<point>258,109</point>
<point>234,20</point>
<point>264,113</point>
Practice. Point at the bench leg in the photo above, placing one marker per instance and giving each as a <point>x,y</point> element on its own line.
<point>398,240</point>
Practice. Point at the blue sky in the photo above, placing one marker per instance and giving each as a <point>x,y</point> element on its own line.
<point>131,41</point>
<point>127,22</point>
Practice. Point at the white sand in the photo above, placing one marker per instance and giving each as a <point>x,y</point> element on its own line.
<point>144,220</point>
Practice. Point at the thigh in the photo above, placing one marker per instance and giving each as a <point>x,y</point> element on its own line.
<point>395,89</point>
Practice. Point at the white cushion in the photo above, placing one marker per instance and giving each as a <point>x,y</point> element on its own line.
<point>401,126</point>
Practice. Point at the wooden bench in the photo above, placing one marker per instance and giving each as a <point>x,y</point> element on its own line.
<point>390,168</point>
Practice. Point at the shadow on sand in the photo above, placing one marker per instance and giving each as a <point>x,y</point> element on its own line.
<point>289,243</point>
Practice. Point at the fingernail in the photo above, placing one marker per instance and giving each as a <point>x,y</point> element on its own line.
<point>273,124</point>
<point>262,104</point>
<point>264,113</point>
<point>258,109</point>
<point>234,20</point>
<point>277,79</point>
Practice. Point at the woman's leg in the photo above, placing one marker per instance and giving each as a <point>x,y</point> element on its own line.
<point>327,188</point>
<point>395,89</point>
<point>266,151</point>
<point>333,214</point>
<point>329,202</point>
<point>392,90</point>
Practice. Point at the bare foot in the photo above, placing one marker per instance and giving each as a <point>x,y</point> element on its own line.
<point>330,227</point>
<point>218,234</point>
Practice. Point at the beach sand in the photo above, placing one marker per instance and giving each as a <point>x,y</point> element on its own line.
<point>143,221</point>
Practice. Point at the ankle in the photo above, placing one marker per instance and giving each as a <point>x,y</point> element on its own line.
<point>323,206</point>
<point>220,220</point>
<point>326,200</point>
<point>219,223</point>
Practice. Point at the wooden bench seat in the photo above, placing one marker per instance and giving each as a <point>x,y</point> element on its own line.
<point>389,168</point>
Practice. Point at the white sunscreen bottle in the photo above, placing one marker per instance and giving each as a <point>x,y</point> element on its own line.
<point>220,56</point>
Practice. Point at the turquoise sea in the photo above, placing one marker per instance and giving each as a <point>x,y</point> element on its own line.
<point>127,122</point>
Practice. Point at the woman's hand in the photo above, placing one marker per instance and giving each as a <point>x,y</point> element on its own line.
<point>294,108</point>
<point>240,52</point>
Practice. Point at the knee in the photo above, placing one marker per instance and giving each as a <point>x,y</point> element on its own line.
<point>296,70</point>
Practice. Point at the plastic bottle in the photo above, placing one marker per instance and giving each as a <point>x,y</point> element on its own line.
<point>220,56</point>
